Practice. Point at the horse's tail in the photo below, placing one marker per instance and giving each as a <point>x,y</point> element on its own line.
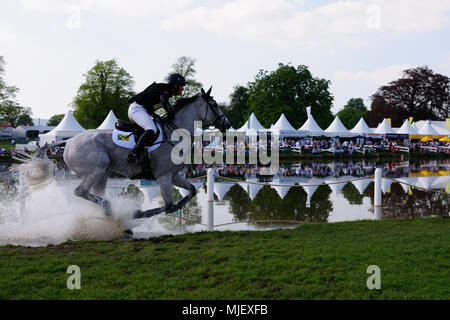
<point>38,169</point>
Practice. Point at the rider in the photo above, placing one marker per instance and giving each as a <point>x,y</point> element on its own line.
<point>142,109</point>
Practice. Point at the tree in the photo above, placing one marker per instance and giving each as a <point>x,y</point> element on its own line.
<point>290,90</point>
<point>55,120</point>
<point>107,87</point>
<point>237,110</point>
<point>352,112</point>
<point>185,67</point>
<point>10,110</point>
<point>15,114</point>
<point>420,93</point>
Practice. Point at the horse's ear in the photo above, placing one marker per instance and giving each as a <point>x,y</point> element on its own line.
<point>209,92</point>
<point>203,91</point>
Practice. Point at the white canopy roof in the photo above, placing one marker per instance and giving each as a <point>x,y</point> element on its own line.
<point>311,126</point>
<point>222,188</point>
<point>361,128</point>
<point>254,128</point>
<point>337,128</point>
<point>283,124</point>
<point>67,128</point>
<point>384,128</point>
<point>68,124</point>
<point>442,131</point>
<point>415,128</point>
<point>361,185</point>
<point>428,130</point>
<point>406,129</point>
<point>283,128</point>
<point>109,122</point>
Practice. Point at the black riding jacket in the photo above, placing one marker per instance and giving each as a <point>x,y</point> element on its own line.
<point>154,94</point>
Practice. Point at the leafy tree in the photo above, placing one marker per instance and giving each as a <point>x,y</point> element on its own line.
<point>420,93</point>
<point>55,120</point>
<point>237,110</point>
<point>25,120</point>
<point>290,90</point>
<point>15,114</point>
<point>10,110</point>
<point>107,87</point>
<point>186,67</point>
<point>352,112</point>
<point>352,194</point>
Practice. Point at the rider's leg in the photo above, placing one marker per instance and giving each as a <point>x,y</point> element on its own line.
<point>139,115</point>
<point>137,154</point>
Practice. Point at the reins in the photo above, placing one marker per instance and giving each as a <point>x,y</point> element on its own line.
<point>172,126</point>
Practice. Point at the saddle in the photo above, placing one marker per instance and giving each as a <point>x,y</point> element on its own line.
<point>136,130</point>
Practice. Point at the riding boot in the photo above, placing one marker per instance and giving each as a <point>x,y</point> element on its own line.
<point>137,155</point>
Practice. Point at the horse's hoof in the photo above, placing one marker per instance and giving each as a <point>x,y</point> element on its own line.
<point>138,214</point>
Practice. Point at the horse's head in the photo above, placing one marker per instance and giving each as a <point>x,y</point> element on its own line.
<point>213,114</point>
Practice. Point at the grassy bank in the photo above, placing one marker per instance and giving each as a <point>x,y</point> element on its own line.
<point>322,261</point>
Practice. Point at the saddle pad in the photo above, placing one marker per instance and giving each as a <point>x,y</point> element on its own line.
<point>126,139</point>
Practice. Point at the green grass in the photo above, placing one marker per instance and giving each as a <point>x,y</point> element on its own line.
<point>316,261</point>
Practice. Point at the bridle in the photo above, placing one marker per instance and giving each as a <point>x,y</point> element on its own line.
<point>220,119</point>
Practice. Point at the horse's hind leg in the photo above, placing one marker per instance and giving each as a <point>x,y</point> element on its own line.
<point>182,183</point>
<point>98,184</point>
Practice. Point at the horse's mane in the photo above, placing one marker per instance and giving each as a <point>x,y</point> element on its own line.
<point>180,103</point>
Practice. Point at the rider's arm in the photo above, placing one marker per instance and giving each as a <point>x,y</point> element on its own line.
<point>164,97</point>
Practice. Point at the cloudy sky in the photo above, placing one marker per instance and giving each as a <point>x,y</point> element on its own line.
<point>358,45</point>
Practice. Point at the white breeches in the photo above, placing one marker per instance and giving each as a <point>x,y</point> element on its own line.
<point>140,116</point>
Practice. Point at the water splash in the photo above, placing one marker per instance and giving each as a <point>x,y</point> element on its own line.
<point>52,214</point>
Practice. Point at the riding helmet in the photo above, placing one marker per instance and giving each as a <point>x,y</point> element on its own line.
<point>176,78</point>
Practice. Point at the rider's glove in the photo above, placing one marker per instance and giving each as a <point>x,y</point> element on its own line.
<point>170,116</point>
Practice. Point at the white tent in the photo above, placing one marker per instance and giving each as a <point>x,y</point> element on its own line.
<point>252,189</point>
<point>335,187</point>
<point>283,128</point>
<point>440,130</point>
<point>281,187</point>
<point>310,190</point>
<point>385,185</point>
<point>427,130</point>
<point>337,128</point>
<point>415,127</point>
<point>362,128</point>
<point>384,128</point>
<point>311,125</point>
<point>222,188</point>
<point>67,128</point>
<point>109,122</point>
<point>362,185</point>
<point>254,127</point>
<point>406,129</point>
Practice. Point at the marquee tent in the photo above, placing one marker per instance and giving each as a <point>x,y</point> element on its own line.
<point>66,129</point>
<point>362,128</point>
<point>428,130</point>
<point>337,128</point>
<point>283,128</point>
<point>311,125</point>
<point>384,128</point>
<point>109,122</point>
<point>406,129</point>
<point>254,128</point>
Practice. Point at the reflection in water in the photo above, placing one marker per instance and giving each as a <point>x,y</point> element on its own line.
<point>247,202</point>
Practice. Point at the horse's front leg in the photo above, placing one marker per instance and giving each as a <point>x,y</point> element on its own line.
<point>179,181</point>
<point>165,185</point>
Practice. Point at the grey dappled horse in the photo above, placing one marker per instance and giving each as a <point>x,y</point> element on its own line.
<point>92,155</point>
